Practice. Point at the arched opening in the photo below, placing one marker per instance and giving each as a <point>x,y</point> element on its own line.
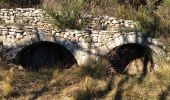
<point>44,54</point>
<point>120,57</point>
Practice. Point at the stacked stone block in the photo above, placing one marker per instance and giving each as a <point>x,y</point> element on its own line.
<point>101,34</point>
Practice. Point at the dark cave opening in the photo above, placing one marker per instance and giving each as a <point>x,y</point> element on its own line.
<point>120,57</point>
<point>44,54</point>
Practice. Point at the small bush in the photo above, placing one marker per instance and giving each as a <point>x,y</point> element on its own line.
<point>64,12</point>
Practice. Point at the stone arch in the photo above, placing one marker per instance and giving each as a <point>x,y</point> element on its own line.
<point>44,53</point>
<point>121,56</point>
<point>122,39</point>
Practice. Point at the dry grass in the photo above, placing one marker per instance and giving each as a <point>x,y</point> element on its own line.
<point>153,87</point>
<point>82,83</point>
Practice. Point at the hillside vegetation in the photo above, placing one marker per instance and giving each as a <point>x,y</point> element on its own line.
<point>153,15</point>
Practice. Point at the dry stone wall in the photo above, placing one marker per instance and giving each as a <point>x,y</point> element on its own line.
<point>21,27</point>
<point>38,18</point>
<point>25,16</point>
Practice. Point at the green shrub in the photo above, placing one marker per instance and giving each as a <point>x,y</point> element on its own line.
<point>64,12</point>
<point>153,19</point>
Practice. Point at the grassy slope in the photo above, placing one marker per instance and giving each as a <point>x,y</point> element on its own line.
<point>83,83</point>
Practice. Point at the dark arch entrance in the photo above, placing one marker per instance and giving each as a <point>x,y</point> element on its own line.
<point>121,56</point>
<point>44,54</point>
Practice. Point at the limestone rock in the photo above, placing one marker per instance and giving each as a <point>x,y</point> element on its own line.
<point>18,36</point>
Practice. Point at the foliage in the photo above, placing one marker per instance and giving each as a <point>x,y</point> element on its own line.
<point>153,18</point>
<point>153,15</point>
<point>64,12</point>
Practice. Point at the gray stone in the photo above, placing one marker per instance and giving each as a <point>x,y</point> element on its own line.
<point>5,32</point>
<point>53,32</point>
<point>85,45</point>
<point>57,34</point>
<point>10,36</point>
<point>12,33</point>
<point>50,38</point>
<point>26,33</point>
<point>103,50</point>
<point>140,40</point>
<point>18,36</point>
<point>115,22</point>
<point>126,25</point>
<point>131,38</point>
<point>111,44</point>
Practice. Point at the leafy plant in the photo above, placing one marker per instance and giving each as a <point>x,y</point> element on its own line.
<point>64,12</point>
